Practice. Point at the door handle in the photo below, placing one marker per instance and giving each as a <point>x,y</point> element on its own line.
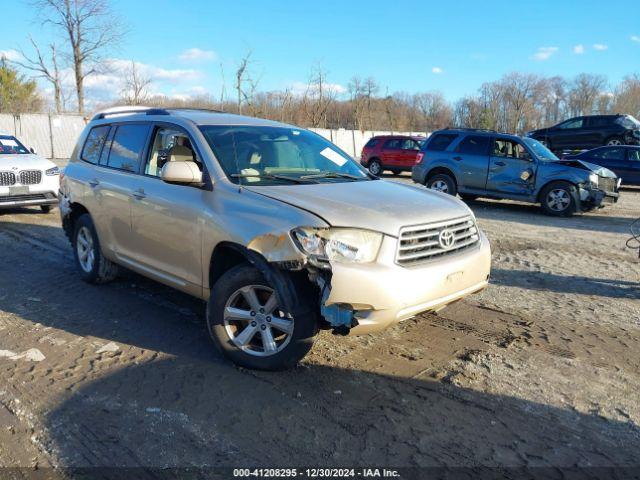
<point>94,183</point>
<point>500,164</point>
<point>139,194</point>
<point>457,158</point>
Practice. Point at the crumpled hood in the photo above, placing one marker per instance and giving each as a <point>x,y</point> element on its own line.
<point>377,205</point>
<point>592,167</point>
<point>24,162</point>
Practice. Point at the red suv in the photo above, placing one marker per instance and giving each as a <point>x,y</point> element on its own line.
<point>397,153</point>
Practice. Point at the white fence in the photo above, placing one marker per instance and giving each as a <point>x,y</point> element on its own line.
<point>54,136</point>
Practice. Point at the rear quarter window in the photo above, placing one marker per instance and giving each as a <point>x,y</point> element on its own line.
<point>372,143</point>
<point>440,141</point>
<point>94,143</point>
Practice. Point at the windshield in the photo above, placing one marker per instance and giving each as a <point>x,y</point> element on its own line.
<point>279,155</point>
<point>10,146</point>
<point>628,121</point>
<point>539,149</point>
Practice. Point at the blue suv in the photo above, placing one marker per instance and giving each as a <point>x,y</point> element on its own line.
<point>483,163</point>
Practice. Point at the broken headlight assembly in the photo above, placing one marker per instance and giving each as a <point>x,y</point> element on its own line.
<point>593,181</point>
<point>350,245</point>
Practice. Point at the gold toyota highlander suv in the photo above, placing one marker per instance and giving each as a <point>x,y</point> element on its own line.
<point>280,231</point>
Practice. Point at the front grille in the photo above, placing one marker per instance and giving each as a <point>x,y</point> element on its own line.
<point>7,179</point>
<point>607,184</point>
<point>30,177</point>
<point>420,243</point>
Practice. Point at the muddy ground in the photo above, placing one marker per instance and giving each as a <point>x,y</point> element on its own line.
<point>541,369</point>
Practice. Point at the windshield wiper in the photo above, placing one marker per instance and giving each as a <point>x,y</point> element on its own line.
<point>270,176</point>
<point>332,175</point>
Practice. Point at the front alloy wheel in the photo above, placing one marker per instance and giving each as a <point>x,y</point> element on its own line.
<point>560,199</point>
<point>252,327</point>
<point>255,323</point>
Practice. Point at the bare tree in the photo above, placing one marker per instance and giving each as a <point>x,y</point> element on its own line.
<point>318,98</point>
<point>584,93</point>
<point>45,68</point>
<point>136,86</point>
<point>245,86</point>
<point>92,29</point>
<point>627,96</point>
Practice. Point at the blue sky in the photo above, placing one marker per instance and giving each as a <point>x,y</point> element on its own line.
<point>410,46</point>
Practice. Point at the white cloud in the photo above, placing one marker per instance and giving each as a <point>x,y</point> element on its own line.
<point>437,70</point>
<point>10,55</point>
<point>599,47</point>
<point>197,55</point>
<point>635,38</point>
<point>544,53</point>
<point>578,49</point>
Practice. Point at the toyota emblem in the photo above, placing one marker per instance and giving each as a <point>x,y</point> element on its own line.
<point>447,238</point>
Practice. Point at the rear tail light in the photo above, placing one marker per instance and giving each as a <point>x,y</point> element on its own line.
<point>419,157</point>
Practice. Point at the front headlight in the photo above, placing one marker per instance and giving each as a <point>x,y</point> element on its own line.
<point>593,180</point>
<point>53,171</point>
<point>338,244</point>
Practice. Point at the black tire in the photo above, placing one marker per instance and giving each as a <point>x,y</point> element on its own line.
<point>101,270</point>
<point>566,199</point>
<point>375,167</point>
<point>46,208</point>
<point>440,178</point>
<point>305,327</point>
<point>468,198</point>
<point>396,171</point>
<point>614,141</point>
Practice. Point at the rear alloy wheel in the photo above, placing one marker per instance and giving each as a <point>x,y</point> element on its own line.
<point>92,265</point>
<point>375,168</point>
<point>249,325</point>
<point>442,183</point>
<point>559,199</point>
<point>614,141</point>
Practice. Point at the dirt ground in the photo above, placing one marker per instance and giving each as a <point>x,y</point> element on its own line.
<point>541,369</point>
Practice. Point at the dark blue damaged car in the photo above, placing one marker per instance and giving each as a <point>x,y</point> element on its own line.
<point>482,163</point>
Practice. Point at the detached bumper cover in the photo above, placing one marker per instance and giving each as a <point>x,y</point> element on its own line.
<point>384,293</point>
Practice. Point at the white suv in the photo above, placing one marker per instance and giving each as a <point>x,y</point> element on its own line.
<point>26,179</point>
<point>278,229</point>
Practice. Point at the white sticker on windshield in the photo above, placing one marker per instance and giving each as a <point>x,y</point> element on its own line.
<point>334,156</point>
<point>8,143</point>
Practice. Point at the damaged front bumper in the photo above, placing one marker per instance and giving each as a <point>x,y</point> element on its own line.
<point>591,198</point>
<point>379,294</point>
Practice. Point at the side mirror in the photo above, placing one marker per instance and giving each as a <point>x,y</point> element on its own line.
<point>32,150</point>
<point>186,173</point>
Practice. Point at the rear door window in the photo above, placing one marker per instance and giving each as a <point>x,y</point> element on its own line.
<point>474,145</point>
<point>127,146</point>
<point>94,143</point>
<point>392,144</point>
<point>409,144</point>
<point>440,141</point>
<point>609,154</point>
<point>599,122</point>
<point>572,124</point>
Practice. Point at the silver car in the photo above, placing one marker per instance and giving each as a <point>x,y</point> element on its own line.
<point>280,231</point>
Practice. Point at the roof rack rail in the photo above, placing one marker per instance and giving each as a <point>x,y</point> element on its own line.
<point>466,129</point>
<point>197,109</point>
<point>148,111</point>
